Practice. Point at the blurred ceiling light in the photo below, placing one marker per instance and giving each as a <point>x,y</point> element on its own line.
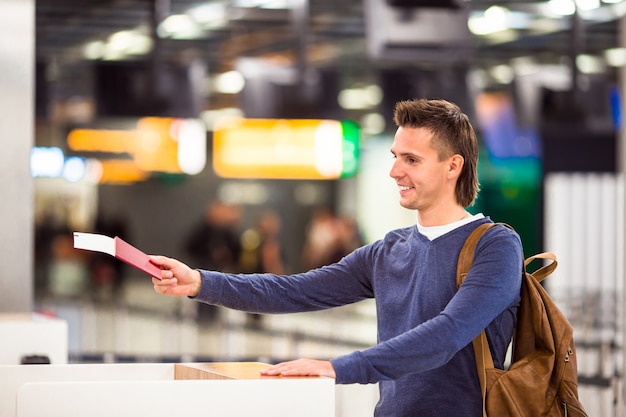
<point>210,15</point>
<point>590,64</point>
<point>112,54</point>
<point>46,161</point>
<point>562,7</point>
<point>231,82</point>
<point>497,13</point>
<point>119,45</point>
<point>503,74</point>
<point>276,4</point>
<point>503,36</point>
<point>373,94</point>
<point>557,76</point>
<point>494,19</point>
<point>245,3</point>
<point>179,26</point>
<point>615,57</point>
<point>547,25</point>
<point>478,79</point>
<point>120,40</point>
<point>74,169</point>
<point>350,98</point>
<point>588,4</point>
<point>518,20</point>
<point>524,65</point>
<point>360,98</point>
<point>373,123</point>
<point>140,44</point>
<point>264,4</point>
<point>94,50</point>
<point>51,163</point>
<point>114,50</point>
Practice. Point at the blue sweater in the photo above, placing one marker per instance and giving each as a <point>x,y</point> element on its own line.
<point>424,361</point>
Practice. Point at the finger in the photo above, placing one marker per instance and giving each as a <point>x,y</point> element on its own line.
<point>274,369</point>
<point>291,368</point>
<point>270,372</point>
<point>165,282</point>
<point>299,368</point>
<point>165,275</point>
<point>164,262</point>
<point>157,259</point>
<point>169,289</point>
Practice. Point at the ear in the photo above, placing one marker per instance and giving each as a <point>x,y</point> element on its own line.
<point>455,165</point>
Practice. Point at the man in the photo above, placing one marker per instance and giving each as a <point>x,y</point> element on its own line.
<point>424,361</point>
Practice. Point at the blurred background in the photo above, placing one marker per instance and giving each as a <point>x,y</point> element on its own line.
<point>254,135</point>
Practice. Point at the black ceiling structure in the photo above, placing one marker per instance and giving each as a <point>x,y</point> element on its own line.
<point>320,33</point>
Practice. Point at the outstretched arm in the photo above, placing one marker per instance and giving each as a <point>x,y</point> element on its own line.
<point>177,279</point>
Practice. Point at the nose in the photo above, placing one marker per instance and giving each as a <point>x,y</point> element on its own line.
<point>394,171</point>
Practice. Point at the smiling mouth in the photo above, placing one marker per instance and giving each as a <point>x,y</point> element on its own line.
<point>404,188</point>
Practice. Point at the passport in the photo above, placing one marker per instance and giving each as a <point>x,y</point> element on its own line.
<point>117,248</point>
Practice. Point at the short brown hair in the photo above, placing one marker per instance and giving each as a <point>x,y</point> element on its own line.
<point>452,134</point>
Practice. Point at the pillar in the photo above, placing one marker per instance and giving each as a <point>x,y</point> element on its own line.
<point>17,46</point>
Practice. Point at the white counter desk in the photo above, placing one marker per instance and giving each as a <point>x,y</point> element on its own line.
<point>26,334</point>
<point>233,389</point>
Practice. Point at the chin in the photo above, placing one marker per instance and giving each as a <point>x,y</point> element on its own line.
<point>407,205</point>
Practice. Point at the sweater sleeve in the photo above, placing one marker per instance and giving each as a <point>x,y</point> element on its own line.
<point>330,286</point>
<point>491,287</point>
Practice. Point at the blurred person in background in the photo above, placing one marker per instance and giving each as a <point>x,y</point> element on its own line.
<point>214,242</point>
<point>424,360</point>
<point>261,247</point>
<point>350,237</point>
<point>329,238</point>
<point>322,244</point>
<point>262,251</point>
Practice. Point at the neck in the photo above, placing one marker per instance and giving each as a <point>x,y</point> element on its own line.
<point>441,218</point>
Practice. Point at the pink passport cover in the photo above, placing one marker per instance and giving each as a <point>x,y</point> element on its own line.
<point>131,255</point>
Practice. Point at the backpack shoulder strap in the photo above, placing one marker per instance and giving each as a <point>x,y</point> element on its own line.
<point>546,269</point>
<point>482,352</point>
<point>466,256</point>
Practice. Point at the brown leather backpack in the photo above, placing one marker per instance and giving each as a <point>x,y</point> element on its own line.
<point>542,379</point>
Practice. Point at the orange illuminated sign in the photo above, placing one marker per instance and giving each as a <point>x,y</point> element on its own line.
<point>280,148</point>
<point>157,145</point>
<point>150,145</point>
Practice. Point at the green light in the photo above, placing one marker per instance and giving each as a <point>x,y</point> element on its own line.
<point>351,135</point>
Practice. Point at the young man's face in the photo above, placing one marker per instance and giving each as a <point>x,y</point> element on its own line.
<point>424,181</point>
